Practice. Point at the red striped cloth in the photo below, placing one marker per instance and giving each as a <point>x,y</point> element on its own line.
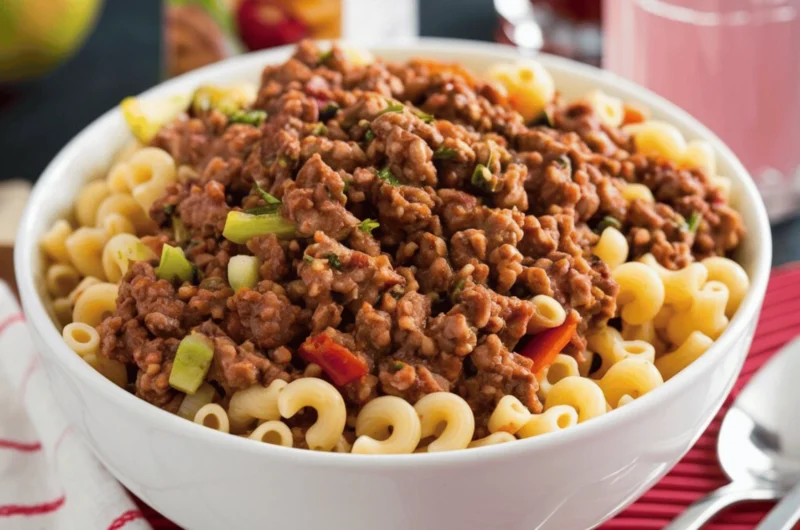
<point>699,472</point>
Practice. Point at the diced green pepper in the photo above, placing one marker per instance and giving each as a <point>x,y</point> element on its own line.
<point>174,265</point>
<point>694,221</point>
<point>368,225</point>
<point>241,226</point>
<point>388,176</point>
<point>444,153</point>
<point>242,271</point>
<point>191,364</point>
<point>248,117</point>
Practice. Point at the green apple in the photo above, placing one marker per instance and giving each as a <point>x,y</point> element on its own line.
<point>36,35</point>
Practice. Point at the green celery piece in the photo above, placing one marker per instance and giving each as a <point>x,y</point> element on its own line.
<point>241,226</point>
<point>191,364</point>
<point>242,271</point>
<point>174,265</point>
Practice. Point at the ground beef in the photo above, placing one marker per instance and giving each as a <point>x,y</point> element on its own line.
<point>427,215</point>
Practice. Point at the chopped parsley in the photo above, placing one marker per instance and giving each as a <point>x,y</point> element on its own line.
<point>607,222</point>
<point>424,116</point>
<point>444,153</point>
<point>334,261</point>
<point>248,117</point>
<point>319,129</point>
<point>387,175</point>
<point>272,206</point>
<point>308,259</point>
<point>328,111</point>
<point>396,366</point>
<point>369,135</point>
<point>368,225</point>
<point>694,221</point>
<point>393,106</point>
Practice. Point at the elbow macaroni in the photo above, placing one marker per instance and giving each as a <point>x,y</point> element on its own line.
<point>641,292</point>
<point>374,421</point>
<point>608,109</point>
<point>61,279</point>
<point>530,86</point>
<point>151,171</point>
<point>326,400</point>
<point>563,366</point>
<point>554,419</point>
<point>452,411</point>
<point>493,439</point>
<point>53,242</point>
<point>548,313</point>
<point>120,251</point>
<point>680,286</point>
<point>633,377</point>
<point>256,402</point>
<point>85,250</point>
<point>95,304</point>
<point>273,432</point>
<point>733,276</point>
<point>89,200</point>
<point>214,417</point>
<point>508,416</point>
<point>707,314</point>
<point>82,338</point>
<point>612,248</point>
<point>692,348</point>
<point>581,394</point>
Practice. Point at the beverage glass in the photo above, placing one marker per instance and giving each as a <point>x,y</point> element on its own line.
<point>733,64</point>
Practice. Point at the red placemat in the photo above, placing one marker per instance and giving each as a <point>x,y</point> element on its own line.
<point>699,472</point>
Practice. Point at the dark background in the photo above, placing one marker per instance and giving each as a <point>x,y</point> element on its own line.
<point>122,57</point>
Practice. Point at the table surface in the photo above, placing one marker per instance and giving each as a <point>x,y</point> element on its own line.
<point>122,57</point>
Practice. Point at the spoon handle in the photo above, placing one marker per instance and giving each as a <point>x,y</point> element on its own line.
<point>704,509</point>
<point>785,514</point>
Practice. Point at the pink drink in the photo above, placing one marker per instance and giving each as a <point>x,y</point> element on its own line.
<point>734,64</point>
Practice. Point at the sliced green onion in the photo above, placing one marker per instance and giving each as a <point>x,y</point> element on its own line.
<point>393,106</point>
<point>242,272</point>
<point>482,178</point>
<point>174,265</point>
<point>424,116</point>
<point>241,226</point>
<point>444,153</point>
<point>368,225</point>
<point>694,221</point>
<point>191,364</point>
<point>248,117</point>
<point>268,198</point>
<point>387,175</point>
<point>369,135</point>
<point>193,402</point>
<point>607,222</point>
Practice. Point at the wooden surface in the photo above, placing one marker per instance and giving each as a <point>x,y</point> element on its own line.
<point>13,196</point>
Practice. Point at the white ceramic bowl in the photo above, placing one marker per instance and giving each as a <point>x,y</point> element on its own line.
<point>203,479</point>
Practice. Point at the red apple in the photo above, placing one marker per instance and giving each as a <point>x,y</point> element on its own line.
<point>264,24</point>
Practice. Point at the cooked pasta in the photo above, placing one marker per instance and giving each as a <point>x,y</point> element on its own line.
<point>120,251</point>
<point>612,248</point>
<point>62,309</point>
<point>326,400</point>
<point>530,86</point>
<point>373,427</point>
<point>81,288</point>
<point>85,250</point>
<point>680,286</point>
<point>273,432</point>
<point>689,351</point>
<point>89,200</point>
<point>119,177</point>
<point>707,314</point>
<point>53,242</point>
<point>734,277</point>
<point>256,402</point>
<point>126,206</point>
<point>699,154</point>
<point>95,304</point>
<point>115,223</point>
<point>213,416</point>
<point>607,108</point>
<point>548,313</point>
<point>553,419</point>
<point>61,279</point>
<point>563,366</point>
<point>641,292</point>
<point>82,338</point>
<point>657,138</point>
<point>451,410</point>
<point>500,437</point>
<point>192,403</point>
<point>610,345</point>
<point>581,394</point>
<point>152,170</point>
<point>632,376</point>
<point>509,415</point>
<point>724,184</point>
<point>637,192</point>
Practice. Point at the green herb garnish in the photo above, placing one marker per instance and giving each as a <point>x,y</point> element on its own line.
<point>607,222</point>
<point>393,106</point>
<point>424,116</point>
<point>368,225</point>
<point>334,261</point>
<point>273,203</point>
<point>387,175</point>
<point>329,111</point>
<point>694,221</point>
<point>308,259</point>
<point>396,366</point>
<point>444,153</point>
<point>369,135</point>
<point>319,129</point>
<point>564,162</point>
<point>248,117</point>
<point>324,56</point>
<point>456,292</point>
<point>544,118</point>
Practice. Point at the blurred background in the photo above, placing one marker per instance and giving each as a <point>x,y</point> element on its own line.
<point>735,64</point>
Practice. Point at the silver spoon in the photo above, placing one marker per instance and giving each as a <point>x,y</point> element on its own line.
<point>759,447</point>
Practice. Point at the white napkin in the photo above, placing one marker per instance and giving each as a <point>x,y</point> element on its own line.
<point>49,479</point>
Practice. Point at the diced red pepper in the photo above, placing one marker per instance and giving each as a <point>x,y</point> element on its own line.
<point>546,345</point>
<point>341,365</point>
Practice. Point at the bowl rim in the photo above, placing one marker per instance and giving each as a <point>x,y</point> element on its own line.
<point>39,321</point>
